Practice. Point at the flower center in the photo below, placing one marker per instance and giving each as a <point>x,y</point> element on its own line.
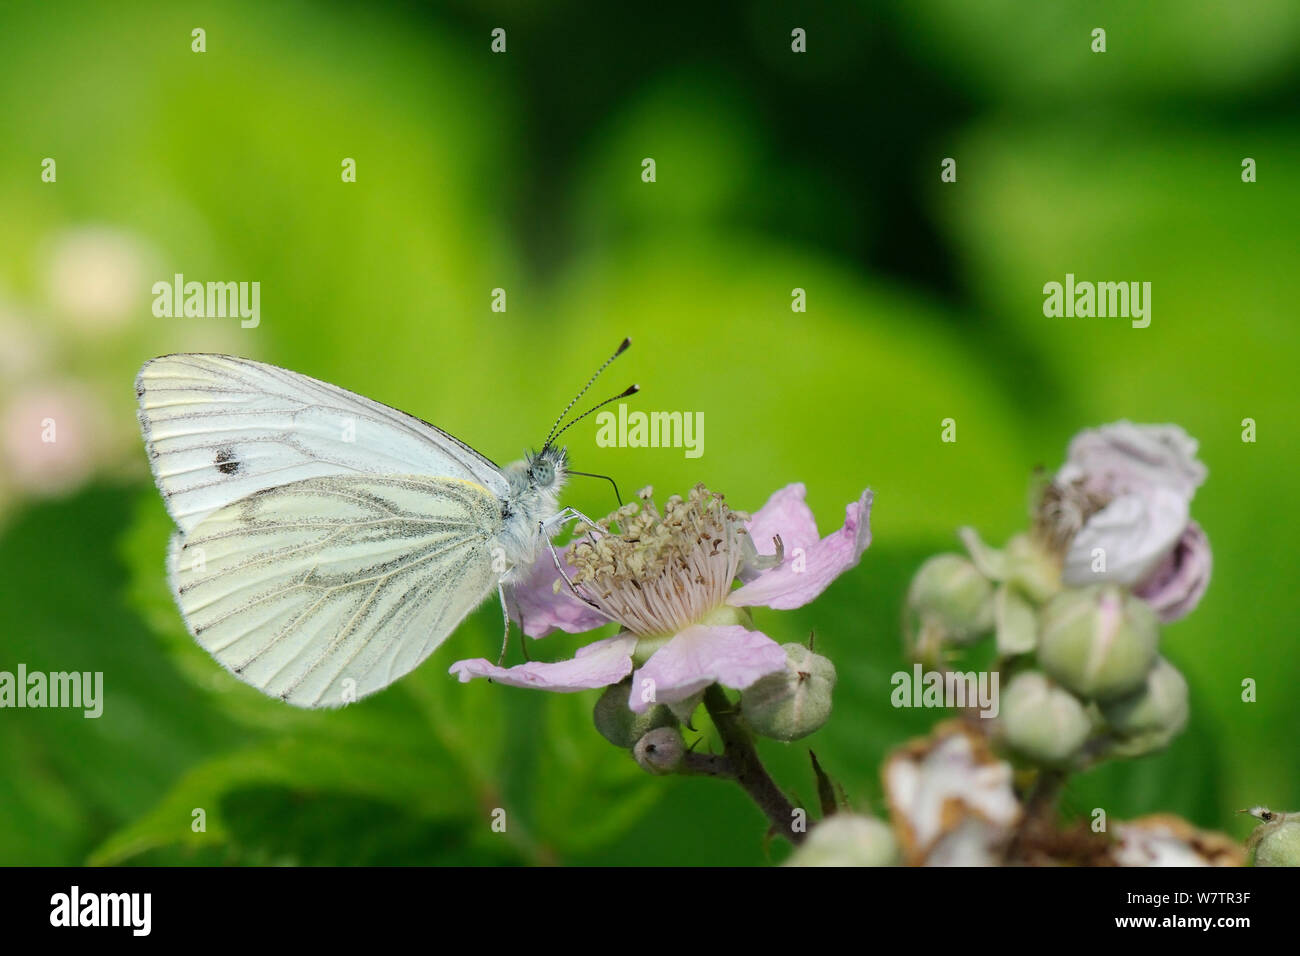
<point>656,573</point>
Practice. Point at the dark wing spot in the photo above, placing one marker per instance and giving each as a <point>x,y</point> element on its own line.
<point>227,463</point>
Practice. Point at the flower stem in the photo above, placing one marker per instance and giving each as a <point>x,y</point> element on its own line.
<point>748,769</point>
<point>707,765</point>
<point>1040,812</point>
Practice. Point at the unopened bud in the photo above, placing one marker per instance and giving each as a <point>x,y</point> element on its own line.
<point>949,602</point>
<point>847,839</point>
<point>1151,716</point>
<point>1041,720</point>
<point>1098,641</point>
<point>619,725</point>
<point>794,702</point>
<point>661,751</point>
<point>1279,845</point>
<point>1032,568</point>
<point>1025,564</point>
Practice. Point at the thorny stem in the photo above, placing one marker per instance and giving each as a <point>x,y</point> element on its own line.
<point>746,767</point>
<point>708,765</point>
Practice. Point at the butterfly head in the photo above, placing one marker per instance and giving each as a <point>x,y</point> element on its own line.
<point>542,473</point>
<point>546,469</point>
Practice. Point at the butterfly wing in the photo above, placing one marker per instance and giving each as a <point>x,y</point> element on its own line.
<point>219,428</point>
<point>327,589</point>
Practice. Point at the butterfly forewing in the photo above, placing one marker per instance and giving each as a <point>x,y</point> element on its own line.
<point>219,428</point>
<point>330,588</point>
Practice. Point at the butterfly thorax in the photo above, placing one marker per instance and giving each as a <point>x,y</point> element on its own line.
<point>533,500</point>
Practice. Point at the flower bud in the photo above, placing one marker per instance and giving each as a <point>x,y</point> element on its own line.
<point>1025,563</point>
<point>950,601</point>
<point>1151,716</point>
<point>1098,641</point>
<point>847,839</point>
<point>619,725</point>
<point>1032,568</point>
<point>1042,721</point>
<point>794,702</point>
<point>1278,846</point>
<point>661,751</point>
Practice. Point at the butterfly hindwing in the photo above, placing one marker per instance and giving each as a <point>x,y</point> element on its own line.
<point>329,588</point>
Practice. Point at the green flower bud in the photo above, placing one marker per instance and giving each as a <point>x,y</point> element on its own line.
<point>1024,563</point>
<point>1032,568</point>
<point>1042,721</point>
<point>794,702</point>
<point>662,751</point>
<point>619,725</point>
<point>847,839</point>
<point>1151,716</point>
<point>1098,641</point>
<point>949,602</point>
<point>1279,845</point>
<point>1017,622</point>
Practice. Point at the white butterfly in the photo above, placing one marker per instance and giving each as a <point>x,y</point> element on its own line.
<point>329,543</point>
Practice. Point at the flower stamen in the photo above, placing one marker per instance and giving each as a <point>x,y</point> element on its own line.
<point>657,572</point>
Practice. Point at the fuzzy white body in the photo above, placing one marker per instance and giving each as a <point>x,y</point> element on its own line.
<point>531,509</point>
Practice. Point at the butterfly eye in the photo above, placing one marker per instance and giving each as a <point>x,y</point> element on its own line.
<point>543,472</point>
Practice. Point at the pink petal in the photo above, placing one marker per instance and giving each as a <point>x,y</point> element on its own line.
<point>1175,587</point>
<point>801,577</point>
<point>1121,458</point>
<point>1133,533</point>
<point>785,514</point>
<point>702,655</point>
<point>541,610</point>
<point>596,665</point>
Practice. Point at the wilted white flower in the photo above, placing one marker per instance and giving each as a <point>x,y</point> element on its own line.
<point>951,799</point>
<point>1163,839</point>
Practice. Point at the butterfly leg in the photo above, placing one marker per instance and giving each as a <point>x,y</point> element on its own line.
<point>555,556</point>
<point>505,614</point>
<point>569,514</point>
<point>565,515</point>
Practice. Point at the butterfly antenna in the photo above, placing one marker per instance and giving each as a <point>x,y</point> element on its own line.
<point>630,390</point>
<point>623,347</point>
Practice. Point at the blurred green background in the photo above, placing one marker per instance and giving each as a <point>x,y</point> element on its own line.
<point>522,171</point>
